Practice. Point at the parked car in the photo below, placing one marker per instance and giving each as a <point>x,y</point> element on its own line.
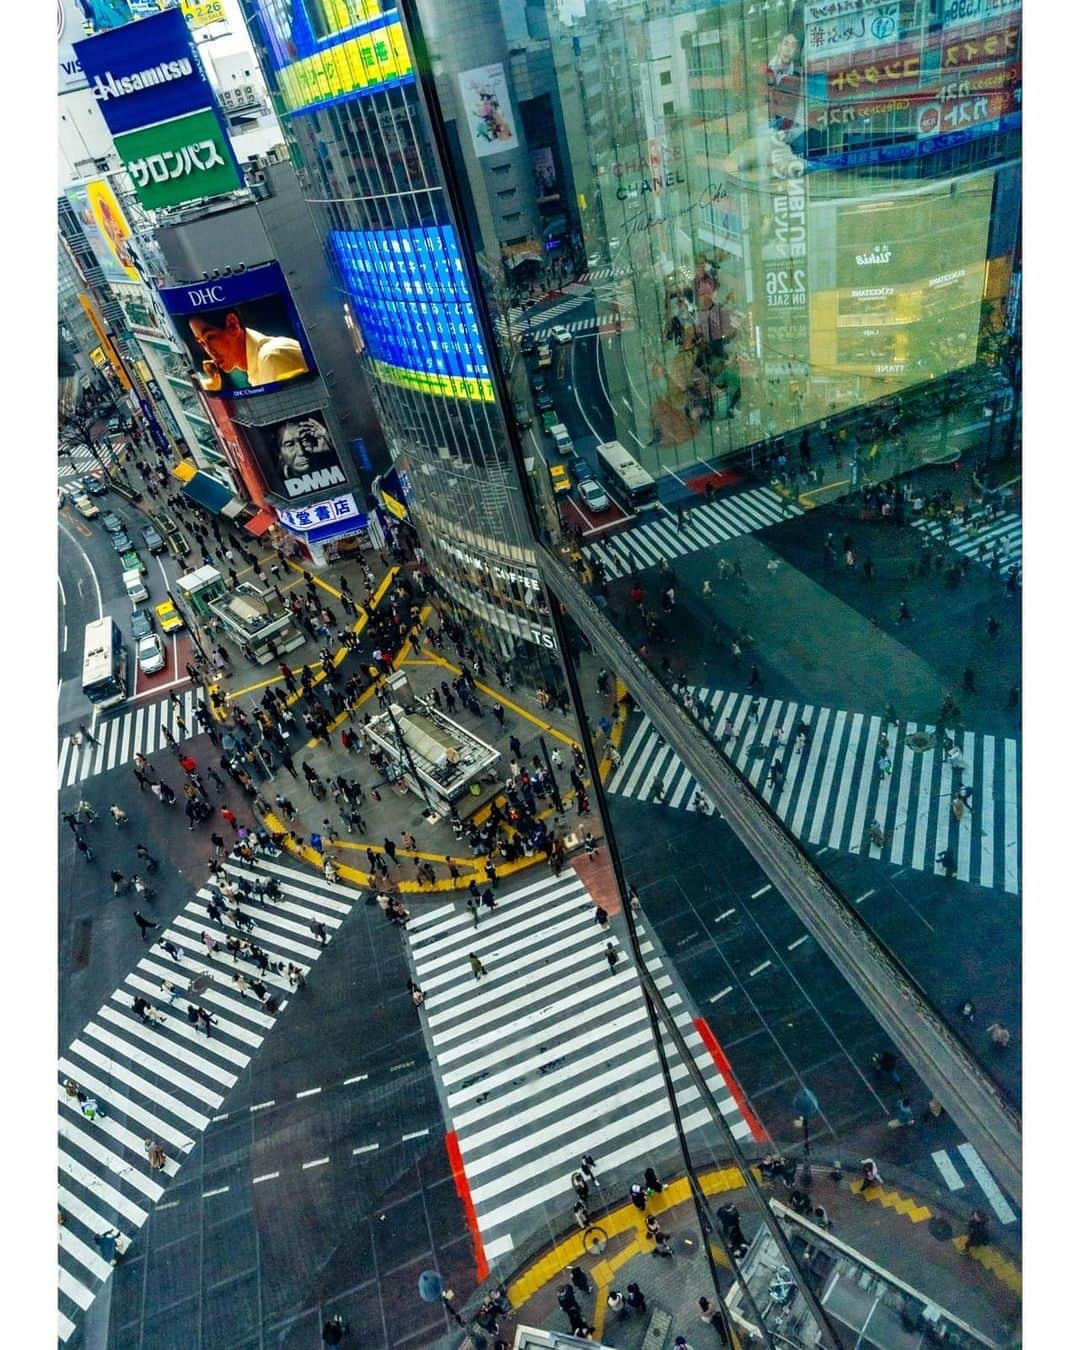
<point>527,344</point>
<point>538,384</point>
<point>561,334</point>
<point>142,622</point>
<point>153,541</point>
<point>560,479</point>
<point>85,507</point>
<point>120,542</point>
<point>150,654</point>
<point>112,523</point>
<point>168,617</point>
<point>131,562</point>
<point>549,421</point>
<point>522,416</point>
<point>593,495</point>
<point>545,403</point>
<point>543,354</point>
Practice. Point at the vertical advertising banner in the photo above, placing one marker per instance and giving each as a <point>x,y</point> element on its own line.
<point>242,333</point>
<point>106,230</point>
<point>160,108</point>
<point>487,108</point>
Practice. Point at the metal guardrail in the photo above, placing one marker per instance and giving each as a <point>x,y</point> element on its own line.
<point>891,994</point>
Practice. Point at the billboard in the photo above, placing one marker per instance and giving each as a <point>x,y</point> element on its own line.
<point>296,456</point>
<point>105,228</point>
<point>158,104</point>
<point>324,51</point>
<point>242,332</point>
<point>489,116</point>
<point>834,27</point>
<point>907,277</point>
<point>410,297</point>
<point>182,160</point>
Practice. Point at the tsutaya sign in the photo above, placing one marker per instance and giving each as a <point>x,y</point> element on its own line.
<point>160,108</point>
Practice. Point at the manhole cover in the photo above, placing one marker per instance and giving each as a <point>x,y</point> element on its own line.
<point>919,741</point>
<point>940,1228</point>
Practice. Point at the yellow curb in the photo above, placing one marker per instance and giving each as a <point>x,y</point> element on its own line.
<point>617,730</point>
<point>499,695</point>
<point>627,1220</point>
<point>992,1260</point>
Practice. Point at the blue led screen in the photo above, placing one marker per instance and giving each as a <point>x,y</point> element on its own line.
<point>410,296</point>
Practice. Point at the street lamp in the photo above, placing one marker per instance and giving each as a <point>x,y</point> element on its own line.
<point>806,1106</point>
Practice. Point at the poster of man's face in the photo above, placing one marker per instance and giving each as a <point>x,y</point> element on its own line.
<point>297,455</point>
<point>242,333</point>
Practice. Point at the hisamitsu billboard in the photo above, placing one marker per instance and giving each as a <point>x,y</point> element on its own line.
<point>145,72</point>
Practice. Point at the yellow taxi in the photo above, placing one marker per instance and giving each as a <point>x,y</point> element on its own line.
<point>168,617</point>
<point>560,479</point>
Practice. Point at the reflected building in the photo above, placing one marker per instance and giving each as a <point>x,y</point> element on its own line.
<point>805,208</point>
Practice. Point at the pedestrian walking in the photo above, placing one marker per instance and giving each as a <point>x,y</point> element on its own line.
<point>145,924</point>
<point>580,1185</point>
<point>155,1155</point>
<point>84,848</point>
<point>579,1279</point>
<point>170,947</point>
<point>634,1298</point>
<point>652,1181</point>
<point>588,1168</point>
<point>637,1196</point>
<point>318,931</point>
<point>477,965</point>
<point>612,956</point>
<point>581,1215</point>
<point>870,1174</point>
<point>711,1314</point>
<point>755,678</point>
<point>119,815</point>
<point>904,1114</point>
<point>230,817</point>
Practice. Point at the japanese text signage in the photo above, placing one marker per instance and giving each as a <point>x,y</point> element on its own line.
<point>181,160</point>
<point>305,518</point>
<point>328,50</point>
<point>411,299</point>
<point>838,26</point>
<point>160,108</point>
<point>958,13</point>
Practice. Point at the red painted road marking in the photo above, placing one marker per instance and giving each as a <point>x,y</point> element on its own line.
<point>461,1185</point>
<point>728,1075</point>
<point>719,478</point>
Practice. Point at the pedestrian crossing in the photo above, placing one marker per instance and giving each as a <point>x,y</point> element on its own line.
<point>164,1079</point>
<point>137,728</point>
<point>962,1168</point>
<point>661,539</point>
<point>607,272</point>
<point>833,787</point>
<point>550,1055</point>
<point>521,319</point>
<point>1003,534</point>
<point>82,461</point>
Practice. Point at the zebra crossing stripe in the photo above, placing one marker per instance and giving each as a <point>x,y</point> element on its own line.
<point>650,542</point>
<point>989,1186</point>
<point>945,1166</point>
<point>140,728</point>
<point>531,1082</point>
<point>162,1077</point>
<point>833,788</point>
<point>1006,530</point>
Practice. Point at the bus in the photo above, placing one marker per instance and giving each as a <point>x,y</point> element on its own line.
<point>631,485</point>
<point>104,671</point>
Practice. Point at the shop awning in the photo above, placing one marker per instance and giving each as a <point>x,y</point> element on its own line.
<point>260,522</point>
<point>529,250</point>
<point>207,492</point>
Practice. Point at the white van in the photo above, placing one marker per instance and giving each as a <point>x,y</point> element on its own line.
<point>563,444</point>
<point>133,584</point>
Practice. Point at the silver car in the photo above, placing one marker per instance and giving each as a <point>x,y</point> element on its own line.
<point>593,495</point>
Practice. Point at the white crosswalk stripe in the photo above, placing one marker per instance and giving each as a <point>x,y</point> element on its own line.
<point>82,461</point>
<point>130,730</point>
<point>550,1055</point>
<point>1003,533</point>
<point>659,538</point>
<point>832,787</point>
<point>962,1168</point>
<point>164,1079</point>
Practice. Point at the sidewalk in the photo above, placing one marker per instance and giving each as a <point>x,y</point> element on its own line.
<point>891,1229</point>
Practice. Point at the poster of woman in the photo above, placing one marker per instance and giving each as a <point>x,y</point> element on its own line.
<point>487,107</point>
